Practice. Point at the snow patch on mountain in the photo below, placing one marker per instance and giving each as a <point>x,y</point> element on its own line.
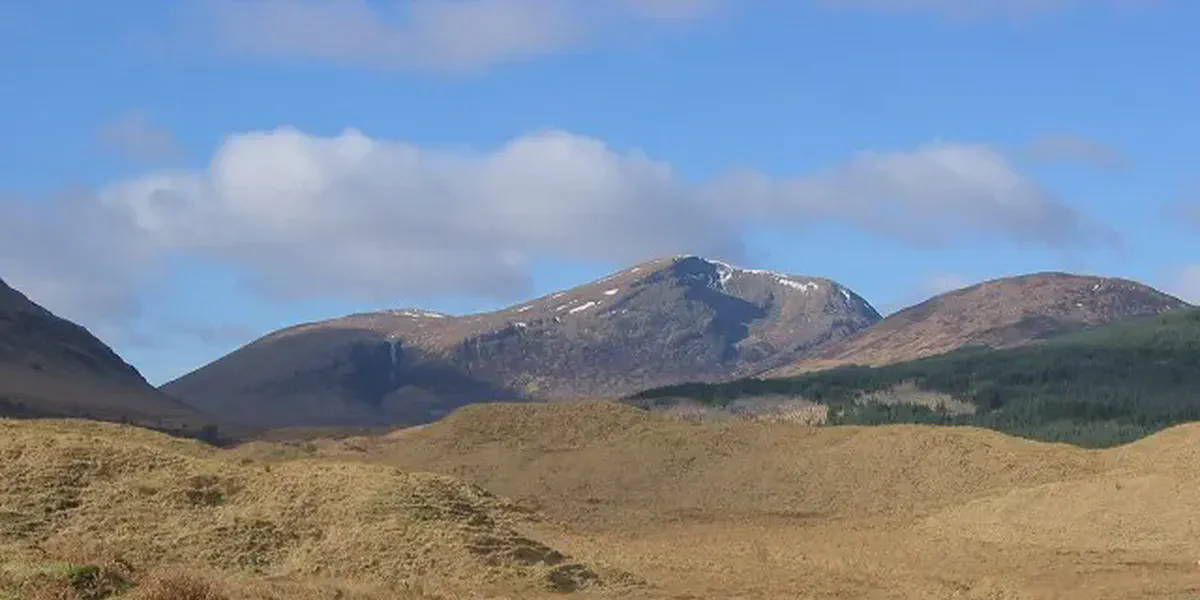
<point>583,307</point>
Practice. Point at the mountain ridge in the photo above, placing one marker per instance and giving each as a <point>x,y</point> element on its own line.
<point>1000,313</point>
<point>669,319</point>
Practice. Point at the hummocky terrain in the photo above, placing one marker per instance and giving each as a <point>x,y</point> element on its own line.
<point>1000,313</point>
<point>662,322</point>
<point>747,509</point>
<point>597,500</point>
<point>143,508</point>
<point>51,367</point>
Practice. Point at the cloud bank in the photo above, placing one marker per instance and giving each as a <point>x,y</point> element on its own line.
<point>352,217</point>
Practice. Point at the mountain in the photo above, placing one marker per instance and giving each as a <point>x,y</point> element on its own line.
<point>1000,313</point>
<point>51,367</point>
<point>1104,386</point>
<point>661,322</point>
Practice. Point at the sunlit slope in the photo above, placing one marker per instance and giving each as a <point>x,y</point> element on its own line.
<point>73,488</point>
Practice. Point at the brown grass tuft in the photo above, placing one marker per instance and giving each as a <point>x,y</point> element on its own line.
<point>74,488</point>
<point>177,585</point>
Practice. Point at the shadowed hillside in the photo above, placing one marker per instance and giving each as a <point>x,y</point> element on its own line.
<point>51,367</point>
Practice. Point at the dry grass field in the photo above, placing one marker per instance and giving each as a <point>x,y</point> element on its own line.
<point>598,500</point>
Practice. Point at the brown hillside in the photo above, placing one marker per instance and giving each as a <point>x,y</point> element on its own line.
<point>1000,313</point>
<point>759,510</point>
<point>736,509</point>
<point>665,321</point>
<point>597,460</point>
<point>86,489</point>
<point>50,367</point>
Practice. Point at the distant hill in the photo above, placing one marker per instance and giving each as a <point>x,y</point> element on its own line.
<point>1099,387</point>
<point>51,367</point>
<point>665,321</point>
<point>1002,313</point>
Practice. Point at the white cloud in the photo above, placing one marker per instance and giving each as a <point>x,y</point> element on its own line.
<point>82,260</point>
<point>136,137</point>
<point>936,193</point>
<point>352,217</point>
<point>377,218</point>
<point>1056,148</point>
<point>448,34</point>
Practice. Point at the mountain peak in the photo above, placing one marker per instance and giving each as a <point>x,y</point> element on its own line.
<point>667,320</point>
<point>718,273</point>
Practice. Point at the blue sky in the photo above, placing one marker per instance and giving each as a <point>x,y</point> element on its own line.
<point>182,177</point>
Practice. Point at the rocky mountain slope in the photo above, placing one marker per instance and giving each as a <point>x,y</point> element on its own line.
<point>51,367</point>
<point>1000,313</point>
<point>665,321</point>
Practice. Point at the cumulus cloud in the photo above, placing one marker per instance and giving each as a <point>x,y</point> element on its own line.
<point>1072,148</point>
<point>448,34</point>
<point>82,260</point>
<point>376,218</point>
<point>352,217</point>
<point>937,193</point>
<point>135,136</point>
